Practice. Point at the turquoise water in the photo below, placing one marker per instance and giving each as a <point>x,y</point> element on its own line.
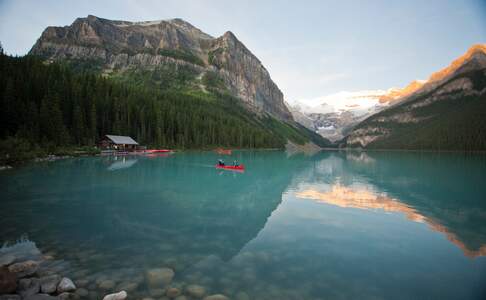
<point>329,226</point>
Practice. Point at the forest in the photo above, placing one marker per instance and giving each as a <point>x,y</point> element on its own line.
<point>48,107</point>
<point>455,123</point>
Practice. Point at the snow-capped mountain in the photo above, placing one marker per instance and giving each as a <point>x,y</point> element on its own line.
<point>332,116</point>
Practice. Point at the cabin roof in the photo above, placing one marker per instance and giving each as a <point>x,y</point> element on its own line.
<point>120,139</point>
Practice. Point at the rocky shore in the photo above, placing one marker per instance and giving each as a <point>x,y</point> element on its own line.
<point>26,274</point>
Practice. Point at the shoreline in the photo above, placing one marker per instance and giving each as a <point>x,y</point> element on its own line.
<point>54,157</point>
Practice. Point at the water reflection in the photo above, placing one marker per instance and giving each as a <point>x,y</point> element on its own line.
<point>349,197</point>
<point>122,163</point>
<point>254,233</point>
<point>439,190</point>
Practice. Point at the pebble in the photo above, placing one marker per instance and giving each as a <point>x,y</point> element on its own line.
<point>93,295</point>
<point>172,292</point>
<point>195,291</point>
<point>117,296</point>
<point>157,292</point>
<point>28,287</point>
<point>159,277</point>
<point>216,297</point>
<point>23,269</point>
<point>49,283</point>
<point>107,284</point>
<point>66,285</point>
<point>82,292</point>
<point>128,286</point>
<point>81,282</point>
<point>68,296</point>
<point>242,296</point>
<point>41,297</point>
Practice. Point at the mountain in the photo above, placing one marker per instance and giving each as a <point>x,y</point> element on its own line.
<point>446,112</point>
<point>164,83</point>
<point>394,94</point>
<point>334,115</point>
<point>122,47</point>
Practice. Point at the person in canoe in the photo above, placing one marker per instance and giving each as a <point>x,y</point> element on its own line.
<point>221,163</point>
<point>236,163</point>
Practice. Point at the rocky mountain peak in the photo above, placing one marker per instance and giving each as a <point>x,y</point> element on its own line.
<point>474,58</point>
<point>228,35</point>
<point>124,45</point>
<point>476,53</point>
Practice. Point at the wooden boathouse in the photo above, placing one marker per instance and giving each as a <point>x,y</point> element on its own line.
<point>118,142</point>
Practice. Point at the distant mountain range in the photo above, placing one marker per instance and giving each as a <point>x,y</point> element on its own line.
<point>337,113</point>
<point>444,112</point>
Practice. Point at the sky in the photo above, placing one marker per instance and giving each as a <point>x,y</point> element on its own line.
<point>312,49</point>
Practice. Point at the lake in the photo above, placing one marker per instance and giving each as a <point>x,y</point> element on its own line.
<point>335,225</point>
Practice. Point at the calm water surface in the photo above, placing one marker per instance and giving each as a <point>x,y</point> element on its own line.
<point>329,226</point>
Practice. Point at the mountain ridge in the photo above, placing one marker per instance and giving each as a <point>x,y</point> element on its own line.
<point>449,82</point>
<point>448,112</point>
<point>122,45</point>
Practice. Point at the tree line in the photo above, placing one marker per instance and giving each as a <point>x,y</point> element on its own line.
<point>50,105</point>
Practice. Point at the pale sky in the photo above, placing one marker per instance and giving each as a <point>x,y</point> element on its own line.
<point>311,48</point>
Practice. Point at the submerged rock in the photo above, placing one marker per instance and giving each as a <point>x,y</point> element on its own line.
<point>93,295</point>
<point>66,285</point>
<point>81,282</point>
<point>216,297</point>
<point>8,281</point>
<point>49,283</point>
<point>10,297</point>
<point>159,277</point>
<point>6,260</point>
<point>41,297</point>
<point>106,284</point>
<point>28,287</point>
<point>23,269</point>
<point>157,292</point>
<point>172,292</point>
<point>242,296</point>
<point>195,291</point>
<point>128,286</point>
<point>82,292</point>
<point>68,296</point>
<point>117,296</point>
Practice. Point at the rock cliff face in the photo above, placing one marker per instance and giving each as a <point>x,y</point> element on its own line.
<point>117,46</point>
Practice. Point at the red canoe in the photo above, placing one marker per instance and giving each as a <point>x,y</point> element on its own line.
<point>158,151</point>
<point>233,168</point>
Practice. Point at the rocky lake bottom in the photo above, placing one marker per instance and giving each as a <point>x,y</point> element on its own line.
<point>335,225</point>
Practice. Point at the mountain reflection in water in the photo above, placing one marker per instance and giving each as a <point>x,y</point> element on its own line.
<point>350,197</point>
